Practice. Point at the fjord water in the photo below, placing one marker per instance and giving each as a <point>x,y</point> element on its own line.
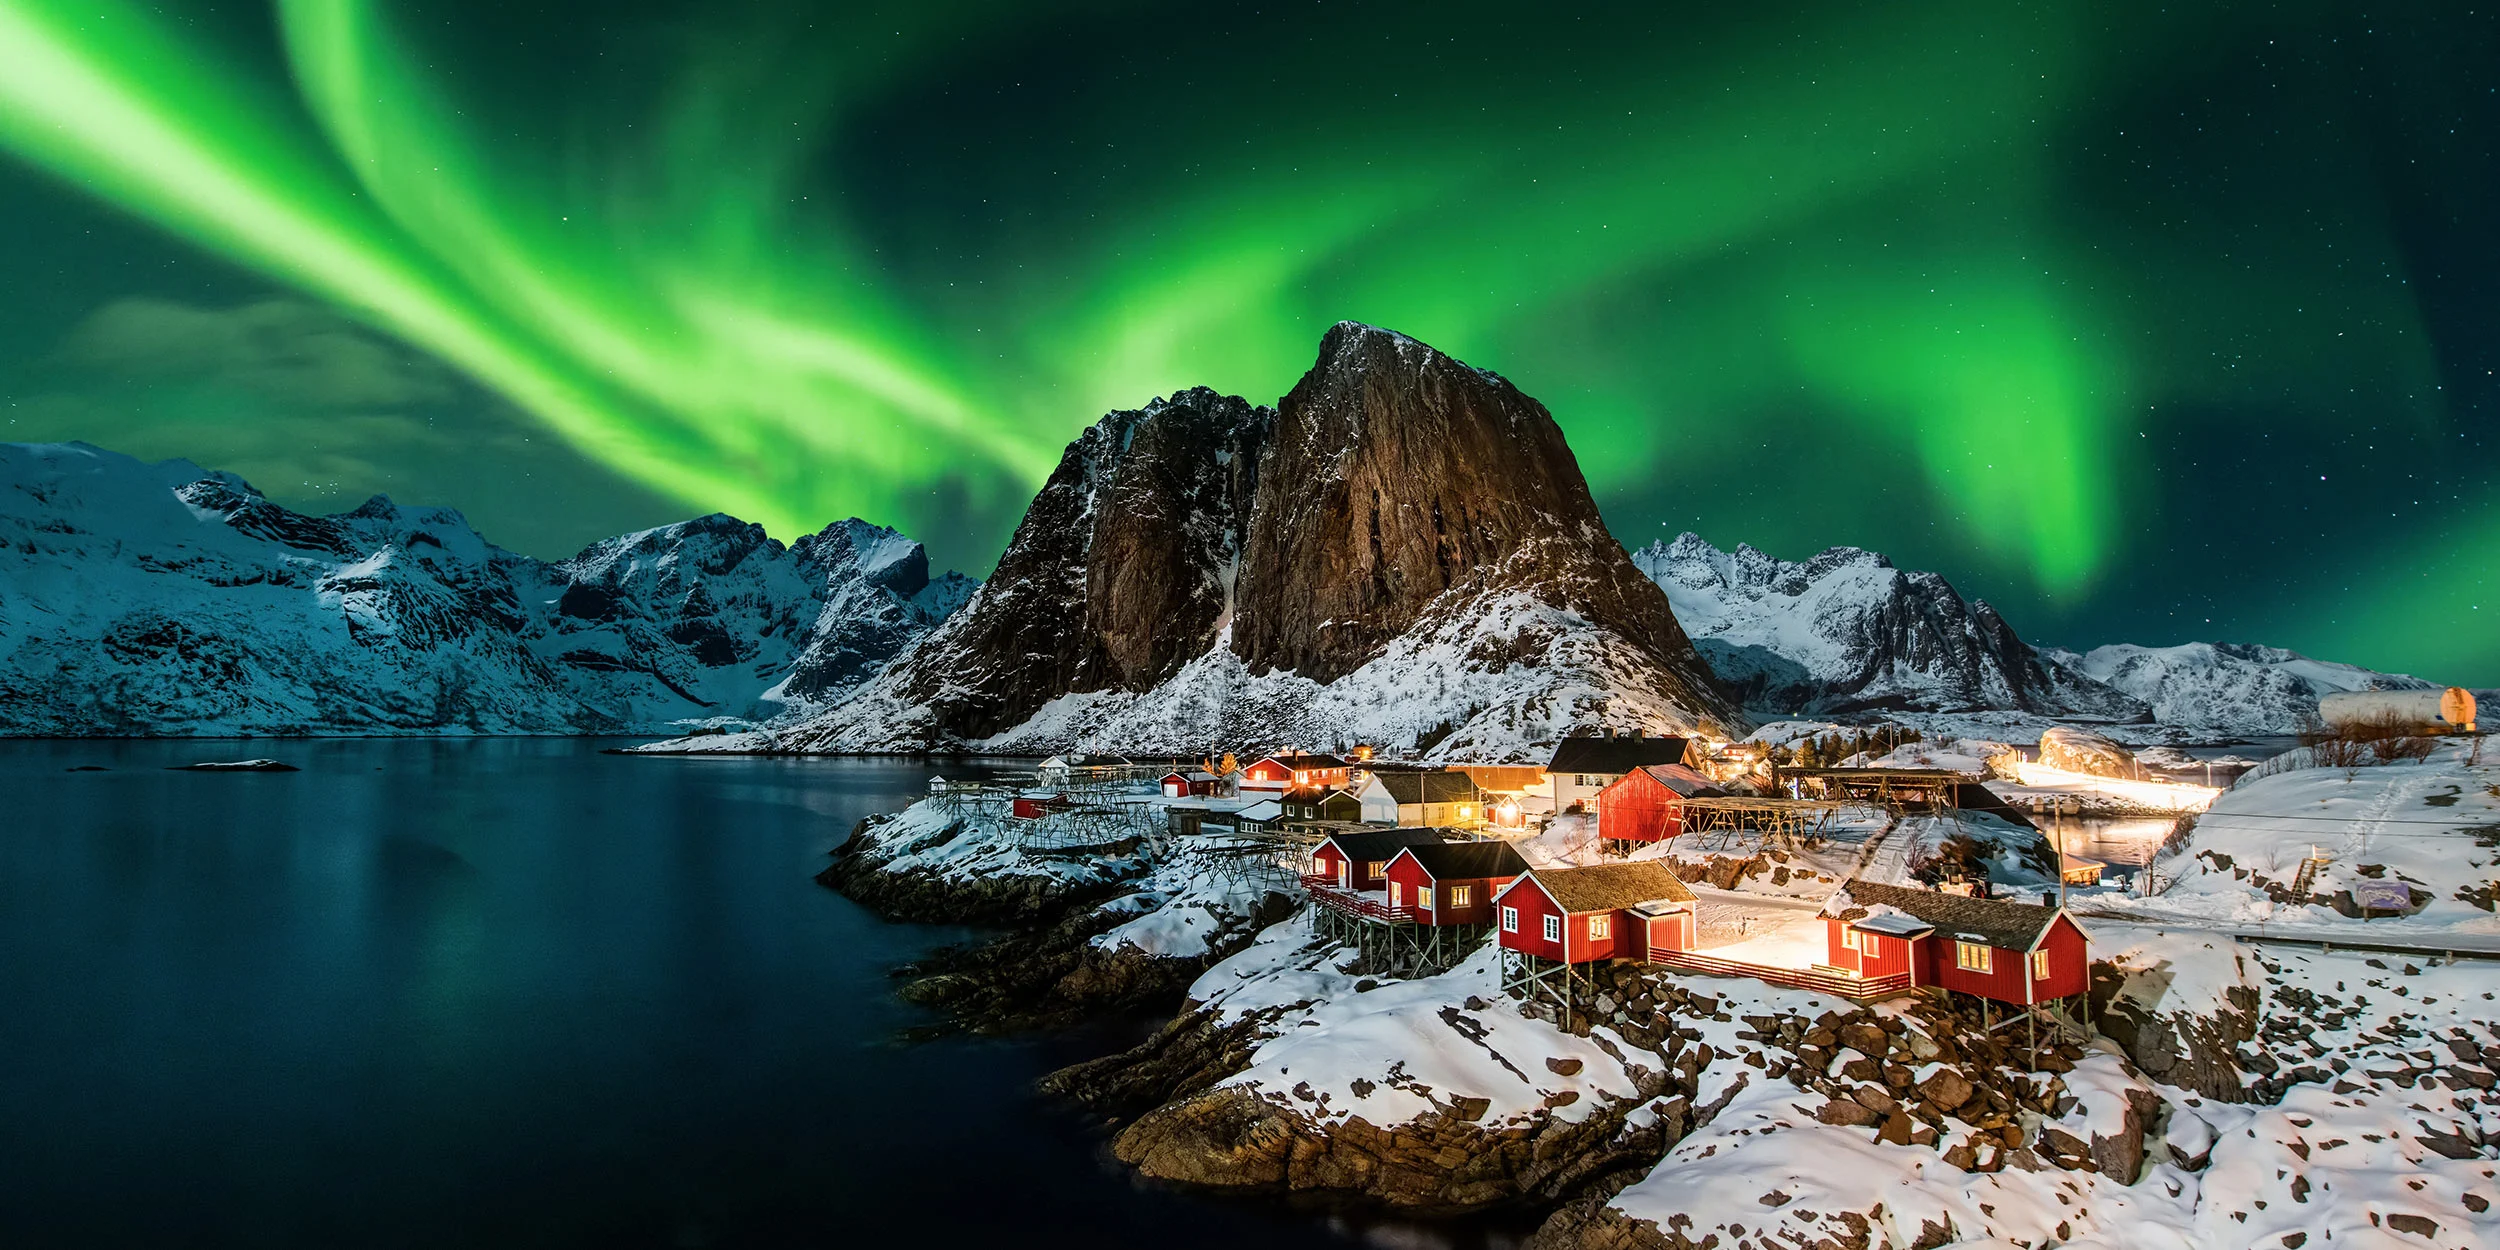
<point>500,992</point>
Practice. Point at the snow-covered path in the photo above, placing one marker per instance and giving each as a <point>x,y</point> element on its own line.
<point>1886,860</point>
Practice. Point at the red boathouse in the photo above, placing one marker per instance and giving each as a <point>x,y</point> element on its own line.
<point>1647,803</point>
<point>2025,954</point>
<point>1452,883</point>
<point>1554,922</point>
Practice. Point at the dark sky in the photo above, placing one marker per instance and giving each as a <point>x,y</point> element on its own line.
<point>2146,323</point>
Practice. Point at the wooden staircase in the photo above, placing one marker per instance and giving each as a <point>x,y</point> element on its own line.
<point>2307,878</point>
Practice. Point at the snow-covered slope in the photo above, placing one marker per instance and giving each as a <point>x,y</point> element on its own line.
<point>1845,631</point>
<point>2226,687</point>
<point>168,600</point>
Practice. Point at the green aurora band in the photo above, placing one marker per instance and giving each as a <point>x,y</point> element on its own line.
<point>734,285</point>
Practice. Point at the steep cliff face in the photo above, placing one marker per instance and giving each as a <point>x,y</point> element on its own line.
<point>1845,631</point>
<point>169,600</point>
<point>1399,477</point>
<point>1120,573</point>
<point>1404,553</point>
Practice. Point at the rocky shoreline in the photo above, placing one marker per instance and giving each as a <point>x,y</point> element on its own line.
<point>1287,1069</point>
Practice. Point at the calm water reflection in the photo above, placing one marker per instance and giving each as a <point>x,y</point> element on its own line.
<point>504,992</point>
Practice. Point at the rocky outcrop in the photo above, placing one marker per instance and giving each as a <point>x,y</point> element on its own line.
<point>1403,553</point>
<point>1231,1139</point>
<point>1845,631</point>
<point>1046,971</point>
<point>2182,1048</point>
<point>1121,570</point>
<point>2083,751</point>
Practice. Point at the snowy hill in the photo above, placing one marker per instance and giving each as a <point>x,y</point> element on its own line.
<point>1845,631</point>
<point>2225,687</point>
<point>169,600</point>
<point>1402,552</point>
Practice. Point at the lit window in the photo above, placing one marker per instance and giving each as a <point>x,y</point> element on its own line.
<point>1460,895</point>
<point>1849,939</point>
<point>1601,926</point>
<point>1510,920</point>
<point>1372,870</point>
<point>2039,965</point>
<point>1423,897</point>
<point>1553,928</point>
<point>1397,894</point>
<point>1971,956</point>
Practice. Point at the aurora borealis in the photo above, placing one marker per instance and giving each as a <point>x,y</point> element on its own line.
<point>2143,325</point>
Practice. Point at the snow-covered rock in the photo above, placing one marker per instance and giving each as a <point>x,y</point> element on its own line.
<point>1403,552</point>
<point>2228,688</point>
<point>1845,631</point>
<point>169,600</point>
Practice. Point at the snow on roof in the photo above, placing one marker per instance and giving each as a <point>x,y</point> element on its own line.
<point>2010,926</point>
<point>1264,809</point>
<point>1610,887</point>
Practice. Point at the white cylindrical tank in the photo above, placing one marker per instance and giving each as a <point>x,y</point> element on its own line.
<point>2440,711</point>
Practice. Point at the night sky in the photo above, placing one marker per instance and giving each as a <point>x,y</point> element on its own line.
<point>2144,323</point>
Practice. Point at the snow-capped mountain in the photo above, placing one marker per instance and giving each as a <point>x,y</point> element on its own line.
<point>169,600</point>
<point>2227,688</point>
<point>1402,552</point>
<point>1846,632</point>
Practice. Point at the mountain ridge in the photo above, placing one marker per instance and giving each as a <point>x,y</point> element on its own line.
<point>169,600</point>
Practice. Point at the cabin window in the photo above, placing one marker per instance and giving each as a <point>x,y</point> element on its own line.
<point>1971,956</point>
<point>1460,895</point>
<point>1849,940</point>
<point>1372,870</point>
<point>1553,928</point>
<point>1423,897</point>
<point>2039,965</point>
<point>1397,894</point>
<point>1601,927</point>
<point>1510,920</point>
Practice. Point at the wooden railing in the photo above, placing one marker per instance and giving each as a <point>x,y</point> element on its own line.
<point>1372,905</point>
<point>1861,989</point>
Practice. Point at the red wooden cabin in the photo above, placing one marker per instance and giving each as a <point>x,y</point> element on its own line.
<point>1452,883</point>
<point>1607,911</point>
<point>2021,953</point>
<point>1179,785</point>
<point>1647,803</point>
<point>1293,771</point>
<point>1360,861</point>
<point>1036,806</point>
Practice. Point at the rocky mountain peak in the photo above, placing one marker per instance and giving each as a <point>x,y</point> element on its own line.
<point>1403,552</point>
<point>1121,571</point>
<point>1398,475</point>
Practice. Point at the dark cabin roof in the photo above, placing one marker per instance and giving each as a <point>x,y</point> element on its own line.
<point>1383,844</point>
<point>1972,796</point>
<point>1304,763</point>
<point>2011,926</point>
<point>1614,755</point>
<point>1435,787</point>
<point>1465,861</point>
<point>1314,795</point>
<point>1610,887</point>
